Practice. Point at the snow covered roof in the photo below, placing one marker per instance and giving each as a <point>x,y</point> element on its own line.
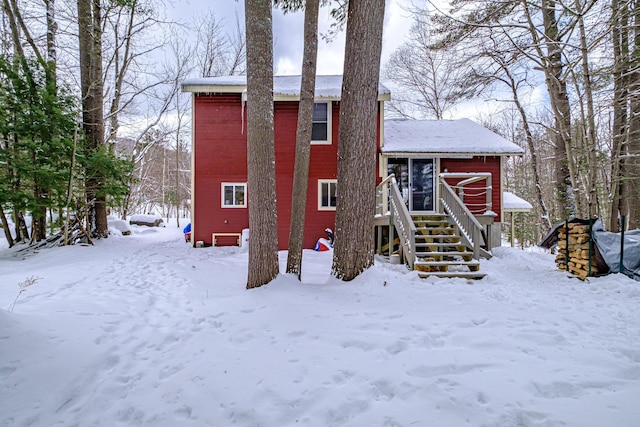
<point>435,137</point>
<point>513,203</point>
<point>284,87</point>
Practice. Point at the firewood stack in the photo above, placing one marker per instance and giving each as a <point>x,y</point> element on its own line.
<point>578,250</point>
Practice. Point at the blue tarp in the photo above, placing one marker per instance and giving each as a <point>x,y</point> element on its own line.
<point>609,246</point>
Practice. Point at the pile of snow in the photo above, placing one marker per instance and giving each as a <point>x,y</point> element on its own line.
<point>149,331</point>
<point>118,227</point>
<point>148,219</point>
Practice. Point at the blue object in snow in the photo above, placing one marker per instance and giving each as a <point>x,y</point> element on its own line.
<point>187,229</point>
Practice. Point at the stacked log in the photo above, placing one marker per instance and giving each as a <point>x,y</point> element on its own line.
<point>578,249</point>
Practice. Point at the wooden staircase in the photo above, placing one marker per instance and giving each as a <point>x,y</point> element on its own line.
<point>439,250</point>
<point>446,243</point>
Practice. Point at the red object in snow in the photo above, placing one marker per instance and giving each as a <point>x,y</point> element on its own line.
<point>323,245</point>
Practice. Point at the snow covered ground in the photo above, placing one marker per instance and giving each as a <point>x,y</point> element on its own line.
<point>146,330</point>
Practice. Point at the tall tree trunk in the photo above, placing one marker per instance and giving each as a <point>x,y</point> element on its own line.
<point>303,138</point>
<point>354,245</point>
<point>631,191</point>
<point>178,173</point>
<point>122,60</point>
<point>22,232</point>
<point>620,36</point>
<point>52,54</point>
<point>91,83</point>
<point>550,54</point>
<point>589,121</point>
<point>559,98</point>
<point>261,179</point>
<point>6,229</point>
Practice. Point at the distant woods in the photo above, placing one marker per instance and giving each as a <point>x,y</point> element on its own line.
<point>92,120</point>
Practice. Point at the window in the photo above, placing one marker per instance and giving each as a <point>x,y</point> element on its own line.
<point>233,195</point>
<point>327,194</point>
<point>321,131</point>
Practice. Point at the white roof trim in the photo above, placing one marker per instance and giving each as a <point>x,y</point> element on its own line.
<point>285,88</point>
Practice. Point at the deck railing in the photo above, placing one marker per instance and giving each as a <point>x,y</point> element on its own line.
<point>471,231</point>
<point>389,201</point>
<point>471,197</point>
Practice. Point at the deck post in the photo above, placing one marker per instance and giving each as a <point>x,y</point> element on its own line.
<point>590,244</point>
<point>621,265</point>
<point>566,234</point>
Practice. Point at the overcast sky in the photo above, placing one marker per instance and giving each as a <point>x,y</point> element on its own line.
<point>288,31</point>
<point>288,40</point>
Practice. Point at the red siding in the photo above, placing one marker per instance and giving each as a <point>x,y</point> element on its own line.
<point>221,156</point>
<point>478,164</point>
<point>323,165</point>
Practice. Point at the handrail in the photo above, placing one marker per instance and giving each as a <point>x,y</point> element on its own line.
<point>470,178</point>
<point>390,201</point>
<point>387,179</point>
<point>471,231</point>
<point>382,204</point>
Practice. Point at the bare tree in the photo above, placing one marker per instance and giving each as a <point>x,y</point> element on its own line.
<point>564,42</point>
<point>303,135</point>
<point>261,180</point>
<point>496,64</point>
<point>219,53</point>
<point>180,108</point>
<point>430,81</point>
<point>625,172</point>
<point>354,246</point>
<point>631,202</point>
<point>211,45</point>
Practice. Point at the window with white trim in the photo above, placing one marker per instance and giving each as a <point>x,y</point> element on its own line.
<point>321,130</point>
<point>234,195</point>
<point>327,194</point>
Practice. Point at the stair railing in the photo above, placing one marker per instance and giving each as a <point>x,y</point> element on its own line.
<point>471,231</point>
<point>389,201</point>
<point>472,178</point>
<point>382,196</point>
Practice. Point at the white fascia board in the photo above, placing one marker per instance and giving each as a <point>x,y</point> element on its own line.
<point>205,89</point>
<point>199,88</point>
<point>284,97</point>
<point>444,155</point>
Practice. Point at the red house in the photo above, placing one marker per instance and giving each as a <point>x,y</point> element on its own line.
<point>429,160</point>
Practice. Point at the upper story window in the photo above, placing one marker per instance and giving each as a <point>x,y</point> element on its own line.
<point>321,132</point>
<point>234,195</point>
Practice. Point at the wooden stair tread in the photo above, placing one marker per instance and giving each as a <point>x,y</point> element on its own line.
<point>442,245</point>
<point>431,223</point>
<point>431,215</point>
<point>452,262</point>
<point>431,231</point>
<point>445,253</point>
<point>452,274</point>
<point>437,236</point>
